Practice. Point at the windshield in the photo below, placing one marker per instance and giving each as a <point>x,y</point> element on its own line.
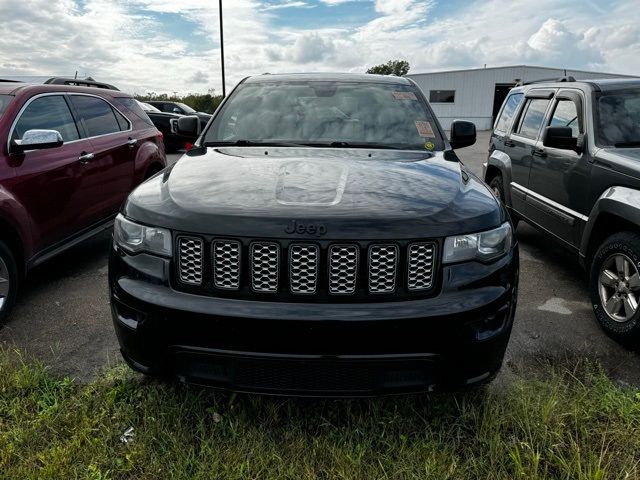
<point>186,108</point>
<point>619,119</point>
<point>147,107</point>
<point>5,100</point>
<point>338,114</point>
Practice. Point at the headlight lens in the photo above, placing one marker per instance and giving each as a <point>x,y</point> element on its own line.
<point>139,238</point>
<point>483,246</point>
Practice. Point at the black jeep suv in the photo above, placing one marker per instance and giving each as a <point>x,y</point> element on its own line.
<point>565,156</point>
<point>321,238</point>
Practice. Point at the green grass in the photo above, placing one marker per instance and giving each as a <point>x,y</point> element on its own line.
<point>563,423</point>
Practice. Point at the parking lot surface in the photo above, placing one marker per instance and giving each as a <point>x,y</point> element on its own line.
<point>63,319</point>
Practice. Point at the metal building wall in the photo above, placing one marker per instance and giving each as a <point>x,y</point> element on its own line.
<point>475,89</point>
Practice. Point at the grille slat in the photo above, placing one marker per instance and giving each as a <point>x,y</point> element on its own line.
<point>265,267</point>
<point>343,269</point>
<point>303,268</point>
<point>190,260</point>
<point>226,264</point>
<point>421,257</point>
<point>383,265</point>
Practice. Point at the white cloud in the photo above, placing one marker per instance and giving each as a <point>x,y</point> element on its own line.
<point>124,41</point>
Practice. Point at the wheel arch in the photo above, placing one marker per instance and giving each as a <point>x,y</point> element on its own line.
<point>10,235</point>
<point>499,163</point>
<point>617,209</point>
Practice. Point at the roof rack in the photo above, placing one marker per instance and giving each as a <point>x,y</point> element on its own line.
<point>566,78</point>
<point>79,82</point>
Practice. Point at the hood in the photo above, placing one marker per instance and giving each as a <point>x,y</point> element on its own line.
<point>352,193</point>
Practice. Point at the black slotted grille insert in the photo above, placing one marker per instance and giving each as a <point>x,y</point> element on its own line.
<point>286,270</point>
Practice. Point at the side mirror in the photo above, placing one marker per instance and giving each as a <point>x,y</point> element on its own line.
<point>37,140</point>
<point>463,134</point>
<point>189,126</point>
<point>559,137</point>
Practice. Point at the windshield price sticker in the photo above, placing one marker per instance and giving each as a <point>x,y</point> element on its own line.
<point>424,129</point>
<point>405,96</point>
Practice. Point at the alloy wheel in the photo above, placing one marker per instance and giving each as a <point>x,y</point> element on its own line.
<point>4,283</point>
<point>619,287</point>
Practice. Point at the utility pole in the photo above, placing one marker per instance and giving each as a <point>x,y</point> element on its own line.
<point>224,90</point>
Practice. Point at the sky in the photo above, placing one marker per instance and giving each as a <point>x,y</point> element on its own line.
<point>167,46</point>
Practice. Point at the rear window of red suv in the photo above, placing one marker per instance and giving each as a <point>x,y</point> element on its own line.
<point>5,100</point>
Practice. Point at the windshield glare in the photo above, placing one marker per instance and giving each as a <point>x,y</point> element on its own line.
<point>322,113</point>
<point>619,119</point>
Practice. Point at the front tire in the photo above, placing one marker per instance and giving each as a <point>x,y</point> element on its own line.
<point>614,286</point>
<point>8,281</point>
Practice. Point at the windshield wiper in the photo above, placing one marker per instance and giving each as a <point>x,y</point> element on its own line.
<point>635,143</point>
<point>362,145</point>
<point>252,143</point>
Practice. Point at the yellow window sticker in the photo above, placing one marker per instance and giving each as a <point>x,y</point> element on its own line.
<point>429,145</point>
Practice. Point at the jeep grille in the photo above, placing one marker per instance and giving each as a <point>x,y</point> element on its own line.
<point>190,263</point>
<point>265,266</point>
<point>293,269</point>
<point>303,268</point>
<point>420,266</point>
<point>226,264</point>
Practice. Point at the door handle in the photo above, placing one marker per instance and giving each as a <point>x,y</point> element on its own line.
<point>85,157</point>
<point>538,152</point>
<point>132,142</point>
<point>509,143</point>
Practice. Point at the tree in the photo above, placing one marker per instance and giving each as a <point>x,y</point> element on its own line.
<point>392,67</point>
<point>206,102</point>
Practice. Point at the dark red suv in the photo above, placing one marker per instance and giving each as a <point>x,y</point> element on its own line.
<point>69,156</point>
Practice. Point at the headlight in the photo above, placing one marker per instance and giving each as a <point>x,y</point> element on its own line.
<point>139,238</point>
<point>481,246</point>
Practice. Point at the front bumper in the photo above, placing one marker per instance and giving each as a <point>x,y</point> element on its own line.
<point>453,340</point>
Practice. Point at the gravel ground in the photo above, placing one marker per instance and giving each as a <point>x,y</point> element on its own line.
<point>63,317</point>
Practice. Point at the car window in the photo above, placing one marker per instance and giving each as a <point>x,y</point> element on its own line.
<point>503,124</point>
<point>135,107</point>
<point>566,115</point>
<point>96,115</point>
<point>185,108</point>
<point>618,119</point>
<point>122,121</point>
<point>327,113</point>
<point>47,113</point>
<point>533,117</point>
<point>5,100</point>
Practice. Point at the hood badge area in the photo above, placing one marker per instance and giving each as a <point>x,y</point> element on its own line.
<point>302,228</point>
<point>311,183</point>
